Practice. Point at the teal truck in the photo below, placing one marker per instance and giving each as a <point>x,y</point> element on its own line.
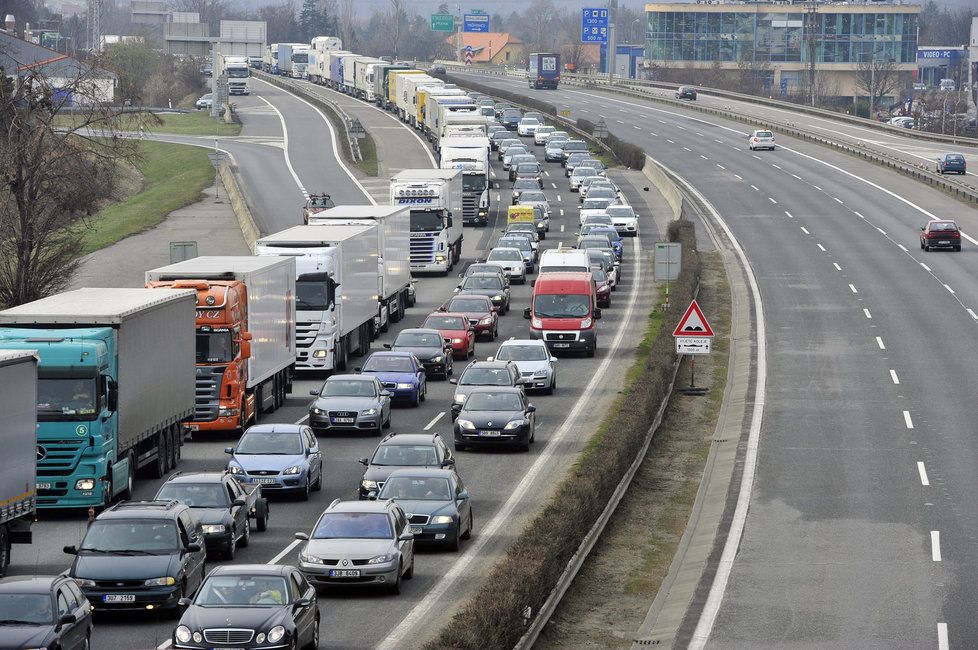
<point>115,383</point>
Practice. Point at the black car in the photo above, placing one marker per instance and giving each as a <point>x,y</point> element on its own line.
<point>686,92</point>
<point>495,416</point>
<point>484,373</point>
<point>397,451</point>
<point>510,118</point>
<point>485,284</point>
<point>140,555</point>
<point>435,502</point>
<point>250,606</point>
<point>44,612</point>
<point>430,348</point>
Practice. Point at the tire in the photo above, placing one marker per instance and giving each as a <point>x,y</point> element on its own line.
<point>4,551</point>
<point>590,351</point>
<point>341,356</point>
<point>460,447</point>
<point>454,544</point>
<point>166,451</point>
<point>926,248</point>
<point>387,423</point>
<point>395,588</point>
<point>130,481</point>
<point>423,392</point>
<point>468,531</point>
<point>318,485</point>
<point>261,515</point>
<point>957,248</point>
<point>232,548</point>
<point>246,538</point>
<point>314,642</point>
<point>158,468</point>
<point>175,443</point>
<point>549,390</point>
<point>525,447</point>
<point>410,572</point>
<point>176,612</point>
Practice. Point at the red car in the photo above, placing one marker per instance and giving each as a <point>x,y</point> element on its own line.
<point>482,315</point>
<point>940,234</point>
<point>601,287</point>
<point>455,328</point>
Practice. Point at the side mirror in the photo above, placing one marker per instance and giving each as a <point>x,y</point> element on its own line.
<point>448,462</point>
<point>314,393</point>
<point>385,393</point>
<point>372,495</point>
<point>364,461</point>
<point>923,228</point>
<point>184,602</point>
<point>443,308</point>
<point>229,450</point>
<point>495,309</point>
<point>310,451</point>
<point>112,395</point>
<point>246,345</point>
<point>67,619</point>
<point>302,536</point>
<point>406,537</point>
<point>453,381</point>
<point>70,550</point>
<point>463,495</point>
<point>193,548</point>
<point>597,313</point>
<point>526,313</point>
<point>303,602</point>
<point>530,408</point>
<point>387,346</point>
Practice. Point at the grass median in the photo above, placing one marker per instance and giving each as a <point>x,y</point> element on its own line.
<point>195,123</point>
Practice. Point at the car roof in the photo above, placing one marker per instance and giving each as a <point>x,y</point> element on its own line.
<point>488,364</point>
<point>29,584</point>
<point>408,439</point>
<point>485,299</point>
<point>250,569</point>
<point>515,390</point>
<point>453,314</point>
<point>195,477</point>
<point>280,427</point>
<point>391,353</point>
<point>430,472</point>
<point>369,378</point>
<point>950,221</point>
<point>538,342</point>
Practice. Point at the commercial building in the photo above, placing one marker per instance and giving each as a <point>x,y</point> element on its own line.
<point>937,64</point>
<point>781,40</point>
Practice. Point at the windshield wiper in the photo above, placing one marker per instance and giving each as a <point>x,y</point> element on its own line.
<point>134,551</point>
<point>15,621</point>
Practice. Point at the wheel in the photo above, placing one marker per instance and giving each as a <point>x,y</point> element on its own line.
<point>175,443</point>
<point>130,481</point>
<point>165,452</point>
<point>454,543</point>
<point>246,538</point>
<point>926,248</point>
<point>424,392</point>
<point>551,388</point>
<point>395,588</point>
<point>158,468</point>
<point>921,245</point>
<point>176,612</point>
<point>341,356</point>
<point>468,531</point>
<point>387,423</point>
<point>304,494</point>
<point>410,572</point>
<point>958,248</point>
<point>231,548</point>
<point>314,642</point>
<point>318,485</point>
<point>525,446</point>
<point>590,351</point>
<point>261,515</point>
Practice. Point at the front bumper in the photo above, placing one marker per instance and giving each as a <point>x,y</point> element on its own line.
<point>532,382</point>
<point>434,533</point>
<point>627,228</point>
<point>275,484</point>
<point>217,542</point>
<point>323,422</point>
<point>370,575</point>
<point>492,437</point>
<point>460,350</point>
<point>143,597</point>
<point>582,339</point>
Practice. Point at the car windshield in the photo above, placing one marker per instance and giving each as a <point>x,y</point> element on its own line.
<point>349,388</point>
<point>270,443</point>
<point>131,536</point>
<point>529,121</point>
<point>419,340</point>
<point>561,305</point>
<point>595,204</point>
<point>417,489</point>
<point>214,346</point>
<point>599,275</point>
<point>195,495</point>
<point>620,211</point>
<point>600,193</point>
<point>26,609</point>
<point>505,255</point>
<point>594,242</point>
<point>522,353</point>
<point>405,455</point>
<point>468,305</point>
<point>593,162</point>
<point>605,231</point>
<point>512,113</point>
<point>63,397</point>
<point>514,242</point>
<point>493,402</point>
<point>242,591</point>
<point>596,220</point>
<point>533,197</point>
<point>765,134</point>
<point>378,363</point>
<point>482,283</point>
<point>445,323</point>
<point>946,226</point>
<point>353,525</point>
<point>475,376</point>
<point>482,268</point>
<point>525,184</point>
<point>472,182</point>
<point>575,145</point>
<point>583,171</point>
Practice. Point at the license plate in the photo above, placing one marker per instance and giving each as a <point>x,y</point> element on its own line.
<point>489,434</point>
<point>416,530</point>
<point>264,481</point>
<point>119,598</point>
<point>343,420</point>
<point>42,486</point>
<point>561,345</point>
<point>344,573</point>
<point>944,241</point>
<point>193,427</point>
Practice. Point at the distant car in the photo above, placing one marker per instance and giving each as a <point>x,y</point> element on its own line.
<point>44,612</point>
<point>534,361</point>
<point>372,537</point>
<point>527,126</point>
<point>554,150</point>
<point>400,373</point>
<point>902,121</point>
<point>484,284</point>
<point>528,171</point>
<point>491,267</point>
<point>428,346</point>
<point>520,185</point>
<point>397,451</point>
<point>602,287</point>
<point>205,101</point>
<point>505,143</point>
<point>251,605</point>
<point>599,192</point>
<point>207,70</point>
<point>517,160</point>
<point>573,146</point>
<point>510,118</point>
<point>541,134</point>
<point>624,219</point>
<point>350,403</point>
<point>528,229</point>
<point>525,246</point>
<point>511,152</point>
<point>761,139</point>
<point>495,416</point>
<point>454,328</point>
<point>482,314</point>
<point>579,174</point>
<point>512,261</point>
<point>940,233</point>
<point>686,92</point>
<point>484,373</point>
<point>597,164</point>
<point>282,458</point>
<point>949,163</point>
<point>437,505</point>
<point>611,233</point>
<point>436,68</point>
<point>573,161</point>
<point>605,260</point>
<point>498,136</point>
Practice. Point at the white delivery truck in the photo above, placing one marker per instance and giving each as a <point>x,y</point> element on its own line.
<point>300,60</point>
<point>336,290</point>
<point>269,62</point>
<point>318,68</point>
<point>18,436</point>
<point>423,93</point>
<point>471,156</point>
<point>349,72</point>
<point>238,72</point>
<point>433,98</point>
<point>284,60</point>
<point>361,75</point>
<point>407,95</point>
<point>333,72</point>
<point>458,123</point>
<point>435,199</point>
<point>377,78</point>
<point>394,246</point>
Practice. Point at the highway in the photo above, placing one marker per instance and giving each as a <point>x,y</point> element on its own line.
<point>507,486</point>
<point>860,530</point>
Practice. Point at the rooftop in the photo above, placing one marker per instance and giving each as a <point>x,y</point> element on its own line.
<point>18,56</point>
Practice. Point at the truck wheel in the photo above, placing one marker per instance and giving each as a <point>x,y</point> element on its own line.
<point>341,355</point>
<point>158,468</point>
<point>175,443</point>
<point>130,481</point>
<point>4,550</point>
<point>261,515</point>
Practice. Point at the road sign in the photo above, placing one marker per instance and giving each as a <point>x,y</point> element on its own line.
<point>442,23</point>
<point>693,323</point>
<point>468,56</point>
<point>182,250</point>
<point>564,113</point>
<point>668,260</point>
<point>475,23</point>
<point>356,129</point>
<point>693,344</point>
<point>594,25</point>
<point>600,130</point>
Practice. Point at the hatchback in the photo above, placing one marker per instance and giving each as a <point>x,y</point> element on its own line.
<point>761,140</point>
<point>940,234</point>
<point>686,92</point>
<point>455,328</point>
<point>949,163</point>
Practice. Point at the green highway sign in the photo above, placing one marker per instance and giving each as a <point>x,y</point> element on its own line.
<point>442,23</point>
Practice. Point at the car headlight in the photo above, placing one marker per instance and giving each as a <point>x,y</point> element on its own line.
<point>380,559</point>
<point>459,399</point>
<point>442,519</point>
<point>85,484</point>
<point>84,582</point>
<point>541,373</point>
<point>437,359</point>
<point>295,469</point>
<point>316,411</point>
<point>370,411</point>
<point>309,559</point>
<point>276,634</point>
<point>586,323</point>
<point>515,424</point>
<point>234,469</point>
<point>368,484</point>
<point>319,354</point>
<point>168,581</point>
<point>498,296</point>
<point>465,424</point>
<point>183,634</point>
<point>485,321</point>
<point>405,386</point>
<point>211,529</point>
<point>537,323</point>
<point>456,340</point>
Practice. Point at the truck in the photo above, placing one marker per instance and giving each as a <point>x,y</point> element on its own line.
<point>245,351</point>
<point>283,65</point>
<point>395,85</point>
<point>115,385</point>
<point>18,435</point>
<point>349,73</point>
<point>435,198</point>
<point>429,100</point>
<point>378,76</point>
<point>238,72</point>
<point>270,59</point>
<point>318,68</point>
<point>407,98</point>
<point>330,326</point>
<point>471,156</point>
<point>362,67</point>
<point>426,93</point>
<point>300,60</point>
<point>464,122</point>
<point>393,246</point>
<point>334,78</point>
<point>543,70</point>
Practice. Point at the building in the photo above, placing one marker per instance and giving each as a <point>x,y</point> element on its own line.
<point>20,58</point>
<point>781,40</point>
<point>935,64</point>
<point>184,36</point>
<point>491,48</point>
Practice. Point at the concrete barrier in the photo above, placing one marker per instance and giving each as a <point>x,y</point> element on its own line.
<point>246,221</point>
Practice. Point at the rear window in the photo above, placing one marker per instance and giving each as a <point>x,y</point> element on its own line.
<point>955,158</point>
<point>944,226</point>
<point>765,134</point>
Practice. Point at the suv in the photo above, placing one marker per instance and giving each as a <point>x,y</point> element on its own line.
<point>397,451</point>
<point>686,92</point>
<point>359,543</point>
<point>138,554</point>
<point>484,373</point>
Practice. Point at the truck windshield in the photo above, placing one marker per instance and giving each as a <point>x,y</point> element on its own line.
<point>314,292</point>
<point>300,58</point>
<point>473,182</point>
<point>237,73</point>
<point>214,346</point>
<point>66,398</point>
<point>422,221</point>
<point>561,306</point>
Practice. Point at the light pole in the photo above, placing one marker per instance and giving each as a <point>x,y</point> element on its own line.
<point>631,30</point>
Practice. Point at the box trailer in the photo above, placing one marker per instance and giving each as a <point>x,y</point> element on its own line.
<point>18,436</point>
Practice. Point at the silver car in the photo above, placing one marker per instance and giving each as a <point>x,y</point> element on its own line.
<point>534,361</point>
<point>511,259</point>
<point>359,543</point>
<point>350,403</point>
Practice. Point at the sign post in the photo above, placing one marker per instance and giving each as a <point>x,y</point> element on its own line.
<point>600,130</point>
<point>693,336</point>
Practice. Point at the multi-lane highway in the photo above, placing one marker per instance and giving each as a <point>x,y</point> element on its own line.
<point>860,531</point>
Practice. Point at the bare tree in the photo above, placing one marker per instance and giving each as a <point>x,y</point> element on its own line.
<point>877,78</point>
<point>347,22</point>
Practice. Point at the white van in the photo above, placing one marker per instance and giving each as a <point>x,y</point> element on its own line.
<point>564,259</point>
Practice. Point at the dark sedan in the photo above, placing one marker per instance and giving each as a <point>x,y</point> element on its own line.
<point>44,612</point>
<point>435,502</point>
<point>495,416</point>
<point>250,606</point>
<point>428,346</point>
<point>482,314</point>
<point>686,92</point>
<point>491,286</point>
<point>940,234</point>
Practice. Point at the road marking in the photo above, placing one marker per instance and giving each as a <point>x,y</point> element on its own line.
<point>670,141</point>
<point>775,166</point>
<point>561,225</point>
<point>949,288</point>
<point>771,200</point>
<point>681,128</point>
<point>836,265</point>
<point>797,176</point>
<point>285,551</point>
<point>662,122</point>
<point>653,134</point>
<point>837,199</point>
<point>720,166</point>
<point>879,342</point>
<point>881,230</point>
<point>788,214</point>
<point>546,173</point>
<point>923,473</point>
<point>636,127</point>
<point>858,214</point>
<point>433,421</point>
<point>561,214</point>
<point>718,141</point>
<point>738,177</point>
<point>869,315</point>
<point>619,121</point>
<point>821,248</point>
<point>853,287</point>
<point>687,148</point>
<point>805,230</point>
<point>703,157</point>
<point>935,545</point>
<point>285,145</point>
<point>302,419</point>
<point>558,198</point>
<point>754,187</point>
<point>815,186</point>
<point>903,248</point>
<point>756,156</point>
<point>893,376</point>
<point>907,420</point>
<point>972,312</point>
<point>554,185</point>
<point>942,643</point>
<point>498,197</point>
<point>926,268</point>
<point>166,644</point>
<point>700,134</point>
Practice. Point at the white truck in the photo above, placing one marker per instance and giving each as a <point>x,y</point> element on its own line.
<point>18,462</point>
<point>283,65</point>
<point>300,60</point>
<point>318,69</point>
<point>238,72</point>
<point>349,73</point>
<point>269,62</point>
<point>362,66</point>
<point>457,123</point>
<point>336,290</point>
<point>433,97</point>
<point>470,155</point>
<point>378,78</point>
<point>394,246</point>
<point>435,199</point>
<point>333,72</point>
<point>407,95</point>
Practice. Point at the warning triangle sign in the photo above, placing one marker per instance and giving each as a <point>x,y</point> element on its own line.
<point>693,323</point>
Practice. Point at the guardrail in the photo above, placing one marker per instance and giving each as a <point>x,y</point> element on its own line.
<point>246,220</point>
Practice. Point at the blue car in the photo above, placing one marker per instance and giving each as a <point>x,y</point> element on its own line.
<point>282,458</point>
<point>401,373</point>
<point>952,163</point>
<point>617,244</point>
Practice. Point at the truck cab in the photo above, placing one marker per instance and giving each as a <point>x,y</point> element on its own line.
<point>471,156</point>
<point>300,61</point>
<point>563,312</point>
<point>238,72</point>
<point>437,199</point>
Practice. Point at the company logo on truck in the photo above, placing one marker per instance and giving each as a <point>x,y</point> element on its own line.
<point>414,200</point>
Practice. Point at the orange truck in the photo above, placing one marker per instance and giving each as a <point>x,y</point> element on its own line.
<point>245,343</point>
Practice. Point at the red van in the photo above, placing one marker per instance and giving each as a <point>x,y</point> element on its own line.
<point>563,311</point>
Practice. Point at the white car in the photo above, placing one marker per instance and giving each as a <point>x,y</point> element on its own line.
<point>578,174</point>
<point>205,101</point>
<point>624,219</point>
<point>762,139</point>
<point>542,133</point>
<point>527,126</point>
<point>511,259</point>
<point>594,206</point>
<point>534,361</point>
<point>600,219</point>
<point>903,121</point>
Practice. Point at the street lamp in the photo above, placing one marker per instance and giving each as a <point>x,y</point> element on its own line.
<point>631,30</point>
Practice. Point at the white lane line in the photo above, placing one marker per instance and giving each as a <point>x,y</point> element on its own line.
<point>907,420</point>
<point>435,419</point>
<point>302,419</point>
<point>821,248</point>
<point>925,267</point>
<point>775,166</point>
<point>166,644</point>
<point>554,185</point>
<point>942,643</point>
<point>869,315</point>
<point>718,141</point>
<point>738,177</point>
<point>720,166</point>
<point>903,248</point>
<point>561,214</point>
<point>502,520</point>
<point>703,157</point>
<point>923,473</point>
<point>754,187</point>
<point>558,198</point>
<point>935,545</point>
<point>881,230</point>
<point>670,141</point>
<point>879,342</point>
<point>285,147</point>
<point>858,214</point>
<point>681,128</point>
<point>805,230</point>
<point>788,214</point>
<point>837,199</point>
<point>636,127</point>
<point>893,376</point>
<point>771,199</point>
<point>815,186</point>
<point>700,134</point>
<point>619,121</point>
<point>653,134</point>
<point>853,287</point>
<point>546,173</point>
<point>836,265</point>
<point>756,156</point>
<point>972,312</point>
<point>561,225</point>
<point>498,197</point>
<point>285,551</point>
<point>797,176</point>
<point>949,288</point>
<point>662,122</point>
<point>687,148</point>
